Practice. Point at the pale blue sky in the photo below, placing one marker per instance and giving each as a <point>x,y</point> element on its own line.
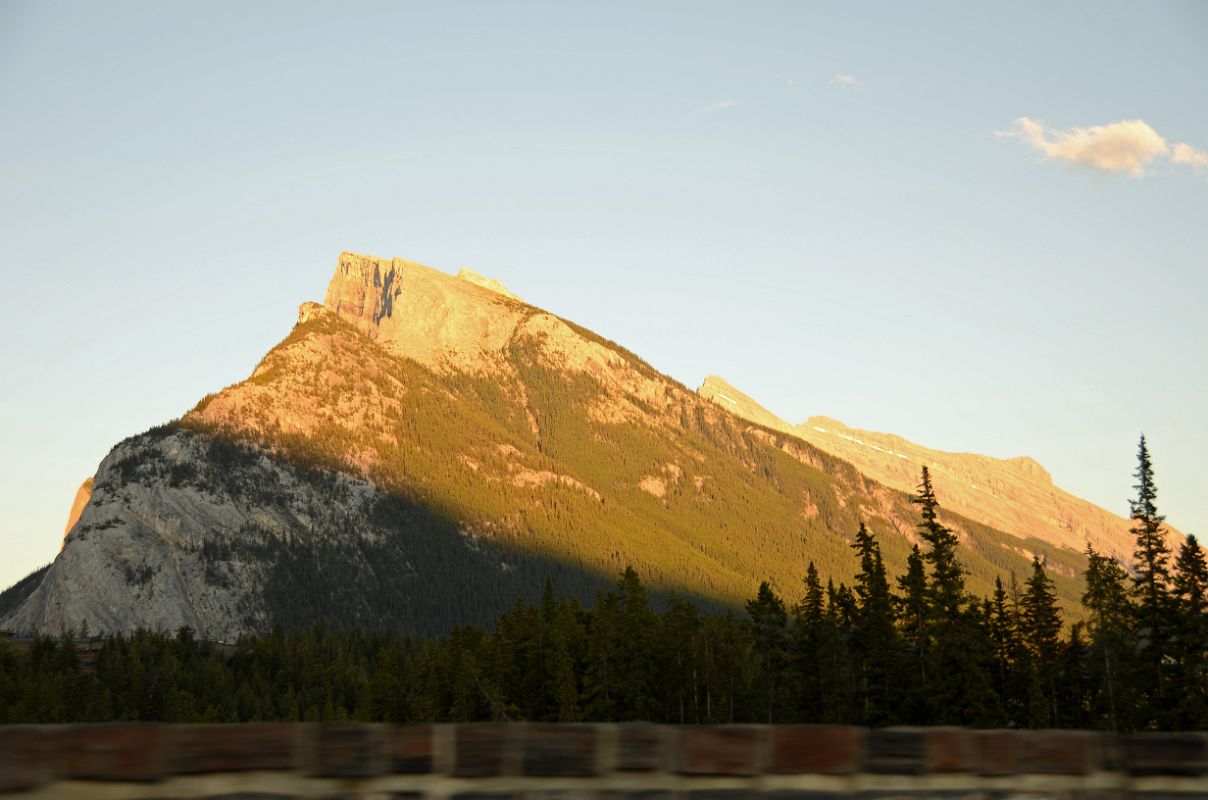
<point>176,178</point>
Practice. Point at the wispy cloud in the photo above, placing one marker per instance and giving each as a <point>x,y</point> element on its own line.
<point>846,82</point>
<point>720,105</point>
<point>1129,146</point>
<point>1187,155</point>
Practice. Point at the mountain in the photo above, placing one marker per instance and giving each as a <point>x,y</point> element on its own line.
<point>1015,495</point>
<point>422,449</point>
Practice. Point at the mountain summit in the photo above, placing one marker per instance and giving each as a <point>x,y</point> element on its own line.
<point>443,322</point>
<point>423,449</point>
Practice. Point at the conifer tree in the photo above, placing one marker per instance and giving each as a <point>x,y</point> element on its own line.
<point>548,614</point>
<point>640,629</point>
<point>603,659</point>
<point>809,620</point>
<point>727,647</point>
<point>567,643</point>
<point>1012,664</point>
<point>1040,626</point>
<point>912,616</point>
<point>387,700</point>
<point>876,644</point>
<point>947,582</point>
<point>1191,636</point>
<point>1150,582</point>
<point>768,622</point>
<point>1074,698</point>
<point>836,650</point>
<point>973,658</point>
<point>621,663</point>
<point>680,669</point>
<point>1110,616</point>
<point>958,659</point>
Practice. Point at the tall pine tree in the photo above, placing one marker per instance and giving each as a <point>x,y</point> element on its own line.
<point>912,616</point>
<point>959,659</point>
<point>768,622</point>
<point>1012,663</point>
<point>1191,636</point>
<point>1110,620</point>
<point>1151,576</point>
<point>809,638</point>
<point>1040,627</point>
<point>876,645</point>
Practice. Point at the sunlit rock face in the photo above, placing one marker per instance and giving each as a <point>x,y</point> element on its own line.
<point>439,320</point>
<point>469,275</point>
<point>77,505</point>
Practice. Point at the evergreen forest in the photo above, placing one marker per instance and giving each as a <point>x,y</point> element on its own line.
<point>912,649</point>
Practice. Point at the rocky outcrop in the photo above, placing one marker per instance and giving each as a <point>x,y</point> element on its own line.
<point>466,274</point>
<point>77,506</point>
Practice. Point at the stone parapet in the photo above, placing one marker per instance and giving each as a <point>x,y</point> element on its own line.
<point>537,761</point>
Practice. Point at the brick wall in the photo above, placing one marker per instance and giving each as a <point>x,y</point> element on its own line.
<point>526,761</point>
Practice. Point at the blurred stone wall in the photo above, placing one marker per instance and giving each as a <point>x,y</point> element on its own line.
<point>530,761</point>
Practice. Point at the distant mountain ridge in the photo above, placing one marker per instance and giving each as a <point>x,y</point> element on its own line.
<point>1015,495</point>
<point>422,449</point>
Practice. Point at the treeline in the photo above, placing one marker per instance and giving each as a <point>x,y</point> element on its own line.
<point>913,649</point>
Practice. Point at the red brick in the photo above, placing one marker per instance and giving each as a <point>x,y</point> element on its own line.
<point>951,750</point>
<point>410,749</point>
<point>27,757</point>
<point>123,752</point>
<point>560,750</point>
<point>1060,752</point>
<point>718,750</point>
<point>234,748</point>
<point>998,752</point>
<point>818,749</point>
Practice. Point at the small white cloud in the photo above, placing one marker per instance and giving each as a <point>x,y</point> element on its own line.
<point>791,82</point>
<point>846,82</point>
<point>1189,156</point>
<point>720,105</point>
<point>1130,146</point>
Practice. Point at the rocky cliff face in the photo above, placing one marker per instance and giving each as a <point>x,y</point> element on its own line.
<point>442,322</point>
<point>422,449</point>
<point>133,557</point>
<point>82,495</point>
<point>186,528</point>
<point>1015,495</point>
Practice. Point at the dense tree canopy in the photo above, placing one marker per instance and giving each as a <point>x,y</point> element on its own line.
<point>925,653</point>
